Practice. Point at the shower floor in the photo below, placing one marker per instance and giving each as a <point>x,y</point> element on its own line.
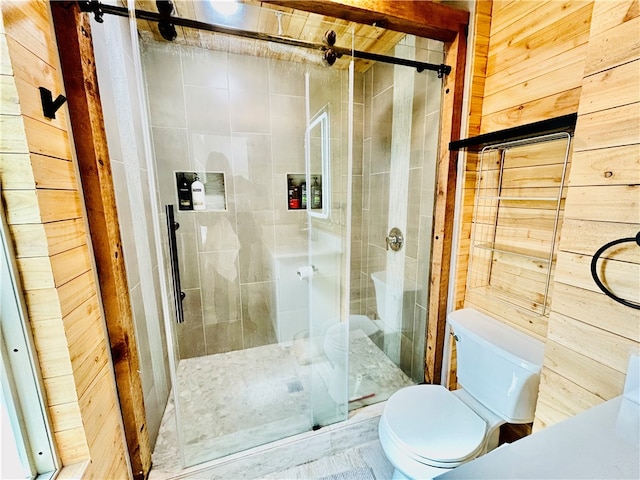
<point>238,400</point>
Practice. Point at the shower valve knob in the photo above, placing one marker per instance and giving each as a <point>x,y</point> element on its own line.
<point>395,239</point>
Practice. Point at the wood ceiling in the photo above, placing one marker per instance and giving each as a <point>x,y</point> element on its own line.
<point>258,16</point>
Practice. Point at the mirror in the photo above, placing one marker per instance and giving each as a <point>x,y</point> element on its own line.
<point>318,165</point>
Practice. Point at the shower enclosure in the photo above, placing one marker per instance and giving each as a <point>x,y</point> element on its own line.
<point>280,189</point>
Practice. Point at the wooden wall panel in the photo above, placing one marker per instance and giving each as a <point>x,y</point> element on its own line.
<point>43,206</point>
<point>534,71</point>
<point>622,83</point>
<point>590,336</point>
<point>37,240</point>
<point>620,276</point>
<point>594,308</point>
<point>546,59</point>
<point>618,165</point>
<point>9,96</point>
<point>604,381</point>
<point>12,139</point>
<point>617,203</point>
<point>16,171</point>
<point>564,400</point>
<point>608,128</point>
<point>600,346</point>
<point>579,236</point>
<point>616,46</point>
<point>529,40</point>
<point>535,62</point>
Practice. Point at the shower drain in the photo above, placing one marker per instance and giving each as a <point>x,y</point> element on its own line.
<point>294,386</point>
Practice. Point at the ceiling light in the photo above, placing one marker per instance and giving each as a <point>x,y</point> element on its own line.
<point>225,7</point>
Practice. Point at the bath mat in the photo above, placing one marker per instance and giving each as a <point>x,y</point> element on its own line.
<point>362,473</point>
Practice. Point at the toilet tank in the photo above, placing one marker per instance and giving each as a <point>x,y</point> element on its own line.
<point>498,365</point>
<point>384,292</point>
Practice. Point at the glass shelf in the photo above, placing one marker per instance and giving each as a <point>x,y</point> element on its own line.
<point>521,252</point>
<point>524,199</point>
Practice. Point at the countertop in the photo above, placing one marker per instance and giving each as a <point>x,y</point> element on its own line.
<point>600,443</point>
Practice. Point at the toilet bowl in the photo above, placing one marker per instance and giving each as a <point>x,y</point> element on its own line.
<point>336,339</point>
<point>426,430</point>
<point>335,346</point>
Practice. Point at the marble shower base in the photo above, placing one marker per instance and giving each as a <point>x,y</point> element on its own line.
<point>238,400</point>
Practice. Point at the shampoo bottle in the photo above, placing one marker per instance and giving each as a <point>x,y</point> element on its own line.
<point>184,193</point>
<point>294,201</point>
<point>290,191</point>
<point>316,194</point>
<point>303,187</point>
<point>197,194</point>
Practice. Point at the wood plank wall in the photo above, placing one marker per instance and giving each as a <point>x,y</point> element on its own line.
<point>45,213</point>
<point>547,59</point>
<point>534,69</point>
<point>591,336</point>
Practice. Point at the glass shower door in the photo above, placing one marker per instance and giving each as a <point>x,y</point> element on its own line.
<point>255,344</point>
<point>402,109</point>
<point>328,170</point>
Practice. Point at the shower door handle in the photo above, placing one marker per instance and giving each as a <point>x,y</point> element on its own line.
<point>178,294</point>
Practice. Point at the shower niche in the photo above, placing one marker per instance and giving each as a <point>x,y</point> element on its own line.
<point>302,195</point>
<point>204,191</point>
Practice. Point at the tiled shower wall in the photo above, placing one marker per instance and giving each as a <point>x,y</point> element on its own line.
<point>375,178</point>
<point>244,116</point>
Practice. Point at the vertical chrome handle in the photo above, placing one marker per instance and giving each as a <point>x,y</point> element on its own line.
<point>178,294</point>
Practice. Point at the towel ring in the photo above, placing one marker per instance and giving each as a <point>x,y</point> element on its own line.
<point>594,271</point>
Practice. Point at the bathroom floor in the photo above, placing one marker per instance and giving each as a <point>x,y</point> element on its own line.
<point>365,461</point>
<point>270,398</point>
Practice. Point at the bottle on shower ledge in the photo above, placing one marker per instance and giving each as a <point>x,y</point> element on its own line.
<point>316,194</point>
<point>184,193</point>
<point>197,194</point>
<point>303,195</point>
<point>290,191</point>
<point>294,201</point>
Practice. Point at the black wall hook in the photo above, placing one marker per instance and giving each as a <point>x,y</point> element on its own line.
<point>49,105</point>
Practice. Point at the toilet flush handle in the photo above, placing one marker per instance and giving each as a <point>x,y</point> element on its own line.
<point>395,239</point>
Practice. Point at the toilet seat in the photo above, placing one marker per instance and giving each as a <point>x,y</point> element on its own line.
<point>430,425</point>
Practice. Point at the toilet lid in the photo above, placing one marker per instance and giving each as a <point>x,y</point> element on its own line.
<point>433,425</point>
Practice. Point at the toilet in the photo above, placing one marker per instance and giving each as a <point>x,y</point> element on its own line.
<point>426,430</point>
<point>393,304</point>
<point>335,346</point>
